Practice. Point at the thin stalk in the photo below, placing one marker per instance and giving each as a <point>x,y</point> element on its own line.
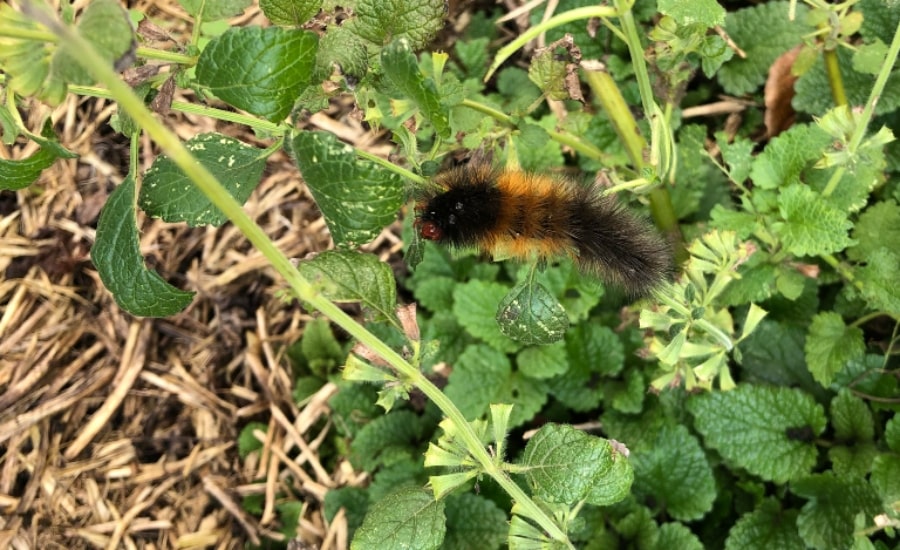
<point>566,17</point>
<point>865,118</point>
<point>569,140</point>
<point>833,70</point>
<point>305,291</point>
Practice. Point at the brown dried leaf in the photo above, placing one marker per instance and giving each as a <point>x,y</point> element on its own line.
<point>779,92</point>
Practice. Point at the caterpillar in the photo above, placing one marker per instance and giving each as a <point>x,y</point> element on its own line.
<point>515,214</point>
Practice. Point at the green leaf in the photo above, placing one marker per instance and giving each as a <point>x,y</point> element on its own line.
<point>686,12</point>
<point>117,256</point>
<point>877,226</point>
<point>19,174</point>
<point>402,470</point>
<point>614,485</point>
<point>346,276</point>
<point>259,70</point>
<point>380,21</point>
<point>766,527</point>
<point>402,70</point>
<point>810,99</point>
<point>774,354</point>
<point>409,518</point>
<point>106,26</point>
<point>811,226</point>
<point>341,47</point>
<point>290,13</point>
<point>214,10</point>
<point>672,469</point>
<point>531,315</point>
<point>473,519</point>
<point>475,304</point>
<point>677,535</point>
<point>320,348</point>
<point>830,345</point>
<point>786,156</point>
<point>737,155</point>
<point>880,20</point>
<point>869,58</point>
<point>851,418</point>
<point>354,501</point>
<point>483,375</point>
<point>885,477</point>
<point>563,463</point>
<point>247,442</point>
<point>387,439</point>
<point>592,349</point>
<point>892,434</point>
<point>741,222</point>
<point>548,71</point>
<point>169,194</point>
<point>357,197</point>
<point>543,361</point>
<point>751,426</point>
<point>353,407</point>
<point>879,280</point>
<point>745,27</point>
<point>827,520</point>
<point>28,63</point>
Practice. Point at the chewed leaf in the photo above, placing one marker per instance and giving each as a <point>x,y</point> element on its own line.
<point>169,194</point>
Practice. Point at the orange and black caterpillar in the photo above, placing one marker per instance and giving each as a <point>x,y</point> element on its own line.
<point>510,213</point>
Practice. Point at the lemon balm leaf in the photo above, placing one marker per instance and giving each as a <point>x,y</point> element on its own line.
<point>830,345</point>
<point>563,463</point>
<point>259,70</point>
<point>117,256</point>
<point>759,429</point>
<point>407,518</point>
<point>378,21</point>
<point>346,276</point>
<point>531,315</point>
<point>169,194</point>
<point>357,197</point>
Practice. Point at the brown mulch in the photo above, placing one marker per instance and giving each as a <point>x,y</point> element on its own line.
<point>120,432</point>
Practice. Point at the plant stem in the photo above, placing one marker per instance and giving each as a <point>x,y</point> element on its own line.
<point>387,165</point>
<point>272,128</point>
<point>569,140</point>
<point>880,82</point>
<point>305,291</point>
<point>566,17</point>
<point>607,93</point>
<point>833,70</point>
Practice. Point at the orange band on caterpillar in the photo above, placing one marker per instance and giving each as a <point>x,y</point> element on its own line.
<point>509,213</point>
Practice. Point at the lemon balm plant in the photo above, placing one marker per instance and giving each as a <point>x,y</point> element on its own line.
<point>783,246</point>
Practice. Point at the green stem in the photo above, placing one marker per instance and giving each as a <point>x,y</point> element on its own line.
<point>880,82</point>
<point>833,70</point>
<point>260,125</point>
<point>607,93</point>
<point>165,55</point>
<point>388,165</point>
<point>569,140</point>
<point>862,123</point>
<point>305,291</point>
<point>46,37</point>
<point>842,270</point>
<point>566,17</point>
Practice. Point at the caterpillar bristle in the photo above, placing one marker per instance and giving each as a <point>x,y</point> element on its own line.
<point>510,213</point>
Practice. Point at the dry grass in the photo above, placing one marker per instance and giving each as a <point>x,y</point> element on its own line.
<point>120,432</point>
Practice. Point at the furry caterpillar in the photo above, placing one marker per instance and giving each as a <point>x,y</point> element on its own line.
<point>510,213</point>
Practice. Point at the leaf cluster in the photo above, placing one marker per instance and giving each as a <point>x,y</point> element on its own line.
<point>787,296</point>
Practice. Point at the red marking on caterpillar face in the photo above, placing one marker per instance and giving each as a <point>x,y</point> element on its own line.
<point>429,231</point>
